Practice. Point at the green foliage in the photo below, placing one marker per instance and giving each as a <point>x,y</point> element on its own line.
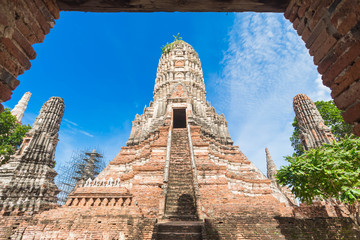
<point>165,49</point>
<point>11,135</point>
<point>295,139</point>
<point>332,118</point>
<point>329,172</point>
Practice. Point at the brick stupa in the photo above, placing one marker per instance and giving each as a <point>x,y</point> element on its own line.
<point>179,177</point>
<point>312,130</point>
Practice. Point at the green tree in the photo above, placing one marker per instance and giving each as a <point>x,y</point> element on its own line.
<point>332,118</point>
<point>331,172</point>
<point>11,135</point>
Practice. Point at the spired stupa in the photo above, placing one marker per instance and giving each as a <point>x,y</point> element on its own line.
<point>179,177</point>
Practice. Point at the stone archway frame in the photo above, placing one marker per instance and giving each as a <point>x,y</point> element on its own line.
<point>329,28</point>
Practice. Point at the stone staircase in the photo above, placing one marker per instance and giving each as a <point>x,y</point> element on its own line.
<point>180,221</point>
<point>180,199</point>
<point>180,230</point>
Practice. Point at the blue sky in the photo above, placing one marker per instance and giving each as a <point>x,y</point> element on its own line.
<point>104,67</point>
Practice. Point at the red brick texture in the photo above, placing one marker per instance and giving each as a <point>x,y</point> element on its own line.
<point>22,23</point>
<point>234,201</point>
<point>331,32</point>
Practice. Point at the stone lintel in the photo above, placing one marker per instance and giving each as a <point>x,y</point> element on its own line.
<point>174,6</point>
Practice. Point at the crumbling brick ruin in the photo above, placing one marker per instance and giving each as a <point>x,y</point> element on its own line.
<point>27,180</point>
<point>180,177</point>
<point>313,132</point>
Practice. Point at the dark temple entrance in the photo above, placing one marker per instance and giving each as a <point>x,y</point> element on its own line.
<point>179,118</point>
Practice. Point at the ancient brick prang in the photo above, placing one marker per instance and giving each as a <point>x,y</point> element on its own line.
<point>178,173</point>
<point>27,180</point>
<point>179,79</point>
<point>20,108</point>
<point>313,132</point>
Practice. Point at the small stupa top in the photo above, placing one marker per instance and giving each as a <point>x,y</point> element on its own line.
<point>301,96</point>
<point>179,84</point>
<point>20,108</point>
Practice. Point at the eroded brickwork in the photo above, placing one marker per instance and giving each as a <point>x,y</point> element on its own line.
<point>22,24</point>
<point>331,32</point>
<point>312,130</point>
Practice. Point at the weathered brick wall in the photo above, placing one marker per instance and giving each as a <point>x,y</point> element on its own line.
<point>9,224</point>
<point>331,32</point>
<point>263,227</point>
<point>87,223</point>
<point>22,23</point>
<point>229,182</point>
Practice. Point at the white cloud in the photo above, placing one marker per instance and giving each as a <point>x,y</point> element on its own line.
<point>265,66</point>
<point>321,92</point>
<point>72,123</point>
<point>85,133</point>
<point>73,128</point>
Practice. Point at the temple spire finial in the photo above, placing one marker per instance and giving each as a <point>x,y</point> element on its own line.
<point>20,108</point>
<point>271,167</point>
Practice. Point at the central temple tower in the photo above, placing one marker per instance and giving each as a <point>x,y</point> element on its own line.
<point>179,98</point>
<point>179,177</point>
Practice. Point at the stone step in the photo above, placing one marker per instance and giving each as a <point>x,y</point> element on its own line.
<point>180,226</point>
<point>180,186</point>
<point>179,195</point>
<point>180,190</point>
<point>181,180</point>
<point>181,177</point>
<point>174,214</point>
<point>189,208</point>
<point>179,236</point>
<point>172,193</point>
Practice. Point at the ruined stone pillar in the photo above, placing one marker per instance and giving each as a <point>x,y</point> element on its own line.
<point>27,180</point>
<point>313,132</point>
<point>271,167</point>
<point>20,108</point>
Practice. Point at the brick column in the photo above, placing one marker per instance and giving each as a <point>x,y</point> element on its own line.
<point>22,23</point>
<point>331,32</point>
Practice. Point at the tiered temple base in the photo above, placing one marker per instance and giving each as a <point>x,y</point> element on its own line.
<point>127,201</point>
